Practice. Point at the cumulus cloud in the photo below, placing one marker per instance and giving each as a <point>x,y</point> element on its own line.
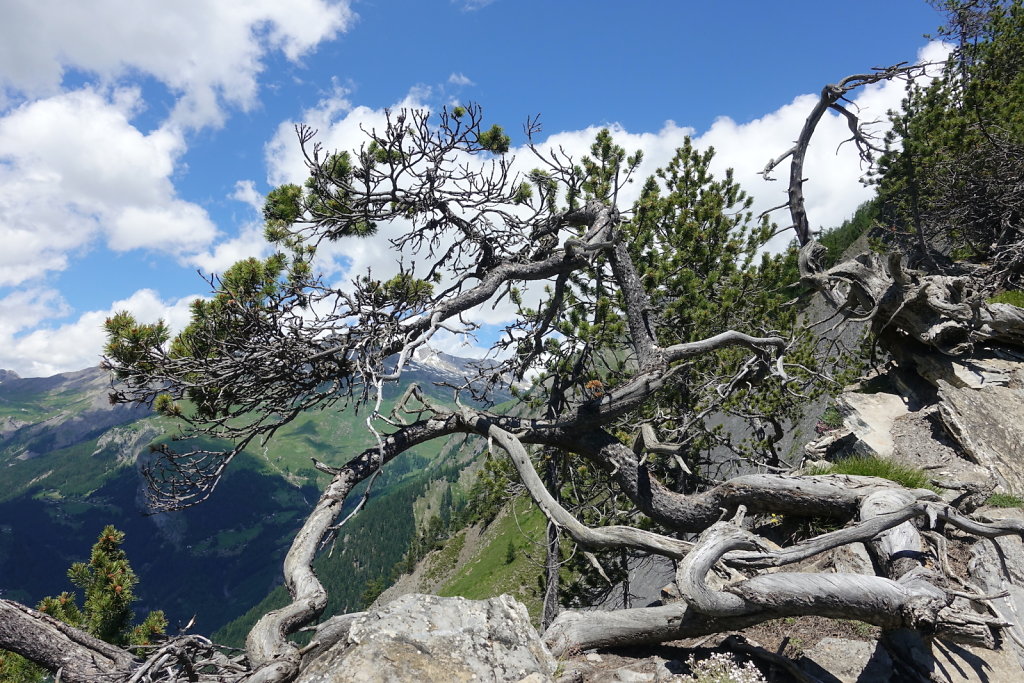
<point>833,168</point>
<point>341,127</point>
<point>249,242</point>
<point>73,169</point>
<point>21,310</point>
<point>77,171</point>
<point>49,349</point>
<point>460,79</point>
<point>834,189</point>
<point>245,191</point>
<point>472,5</point>
<point>461,345</point>
<point>207,52</point>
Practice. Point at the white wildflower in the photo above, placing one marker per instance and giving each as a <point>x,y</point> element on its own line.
<point>722,667</point>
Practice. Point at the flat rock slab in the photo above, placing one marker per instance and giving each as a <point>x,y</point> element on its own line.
<point>848,661</point>
<point>922,441</point>
<point>426,638</point>
<point>945,661</point>
<point>988,423</point>
<point>834,660</point>
<point>870,417</point>
<point>988,368</point>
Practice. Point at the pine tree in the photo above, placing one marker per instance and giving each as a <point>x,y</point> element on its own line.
<point>107,582</point>
<point>955,156</point>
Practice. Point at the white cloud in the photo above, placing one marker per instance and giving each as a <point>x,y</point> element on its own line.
<point>249,242</point>
<point>833,170</point>
<point>472,5</point>
<point>460,79</point>
<point>76,171</point>
<point>461,345</point>
<point>47,350</point>
<point>175,227</point>
<point>833,191</point>
<point>246,192</point>
<point>208,52</point>
<point>73,169</point>
<point>23,309</point>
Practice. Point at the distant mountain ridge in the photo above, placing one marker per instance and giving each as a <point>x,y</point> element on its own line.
<point>42,414</point>
<point>70,461</point>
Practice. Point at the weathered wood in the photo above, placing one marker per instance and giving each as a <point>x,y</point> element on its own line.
<point>912,600</point>
<point>272,656</point>
<point>77,656</point>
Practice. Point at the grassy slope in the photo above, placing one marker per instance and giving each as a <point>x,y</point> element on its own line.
<point>488,572</point>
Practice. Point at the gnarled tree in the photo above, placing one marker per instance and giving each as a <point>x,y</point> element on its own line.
<point>626,372</point>
<point>949,174</point>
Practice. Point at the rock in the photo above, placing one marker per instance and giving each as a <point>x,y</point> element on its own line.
<point>921,441</point>
<point>941,660</point>
<point>829,443</point>
<point>127,442</point>
<point>426,638</point>
<point>647,578</point>
<point>851,558</point>
<point>574,672</point>
<point>975,665</point>
<point>847,660</point>
<point>990,367</point>
<point>988,423</point>
<point>670,593</point>
<point>626,674</point>
<point>870,417</point>
<point>997,565</point>
<point>885,661</point>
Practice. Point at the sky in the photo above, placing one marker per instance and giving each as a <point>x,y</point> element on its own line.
<point>138,137</point>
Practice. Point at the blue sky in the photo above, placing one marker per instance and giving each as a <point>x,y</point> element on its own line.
<point>138,137</point>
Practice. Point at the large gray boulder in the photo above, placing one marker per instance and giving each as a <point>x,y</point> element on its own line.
<point>989,425</point>
<point>997,568</point>
<point>425,638</point>
<point>871,417</point>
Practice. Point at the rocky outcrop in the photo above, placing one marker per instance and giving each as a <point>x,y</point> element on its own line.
<point>997,567</point>
<point>426,638</point>
<point>962,420</point>
<point>127,442</point>
<point>988,423</point>
<point>871,418</point>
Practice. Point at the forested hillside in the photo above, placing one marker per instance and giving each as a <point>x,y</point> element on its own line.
<point>72,463</point>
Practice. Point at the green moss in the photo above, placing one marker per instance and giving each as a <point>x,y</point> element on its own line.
<point>1005,500</point>
<point>1014,297</point>
<point>910,477</point>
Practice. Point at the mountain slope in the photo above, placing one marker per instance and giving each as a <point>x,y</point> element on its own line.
<point>70,464</point>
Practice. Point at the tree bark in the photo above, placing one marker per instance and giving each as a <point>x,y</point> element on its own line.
<point>73,655</point>
<point>912,601</point>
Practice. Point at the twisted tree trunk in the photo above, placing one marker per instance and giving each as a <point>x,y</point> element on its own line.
<point>74,655</point>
